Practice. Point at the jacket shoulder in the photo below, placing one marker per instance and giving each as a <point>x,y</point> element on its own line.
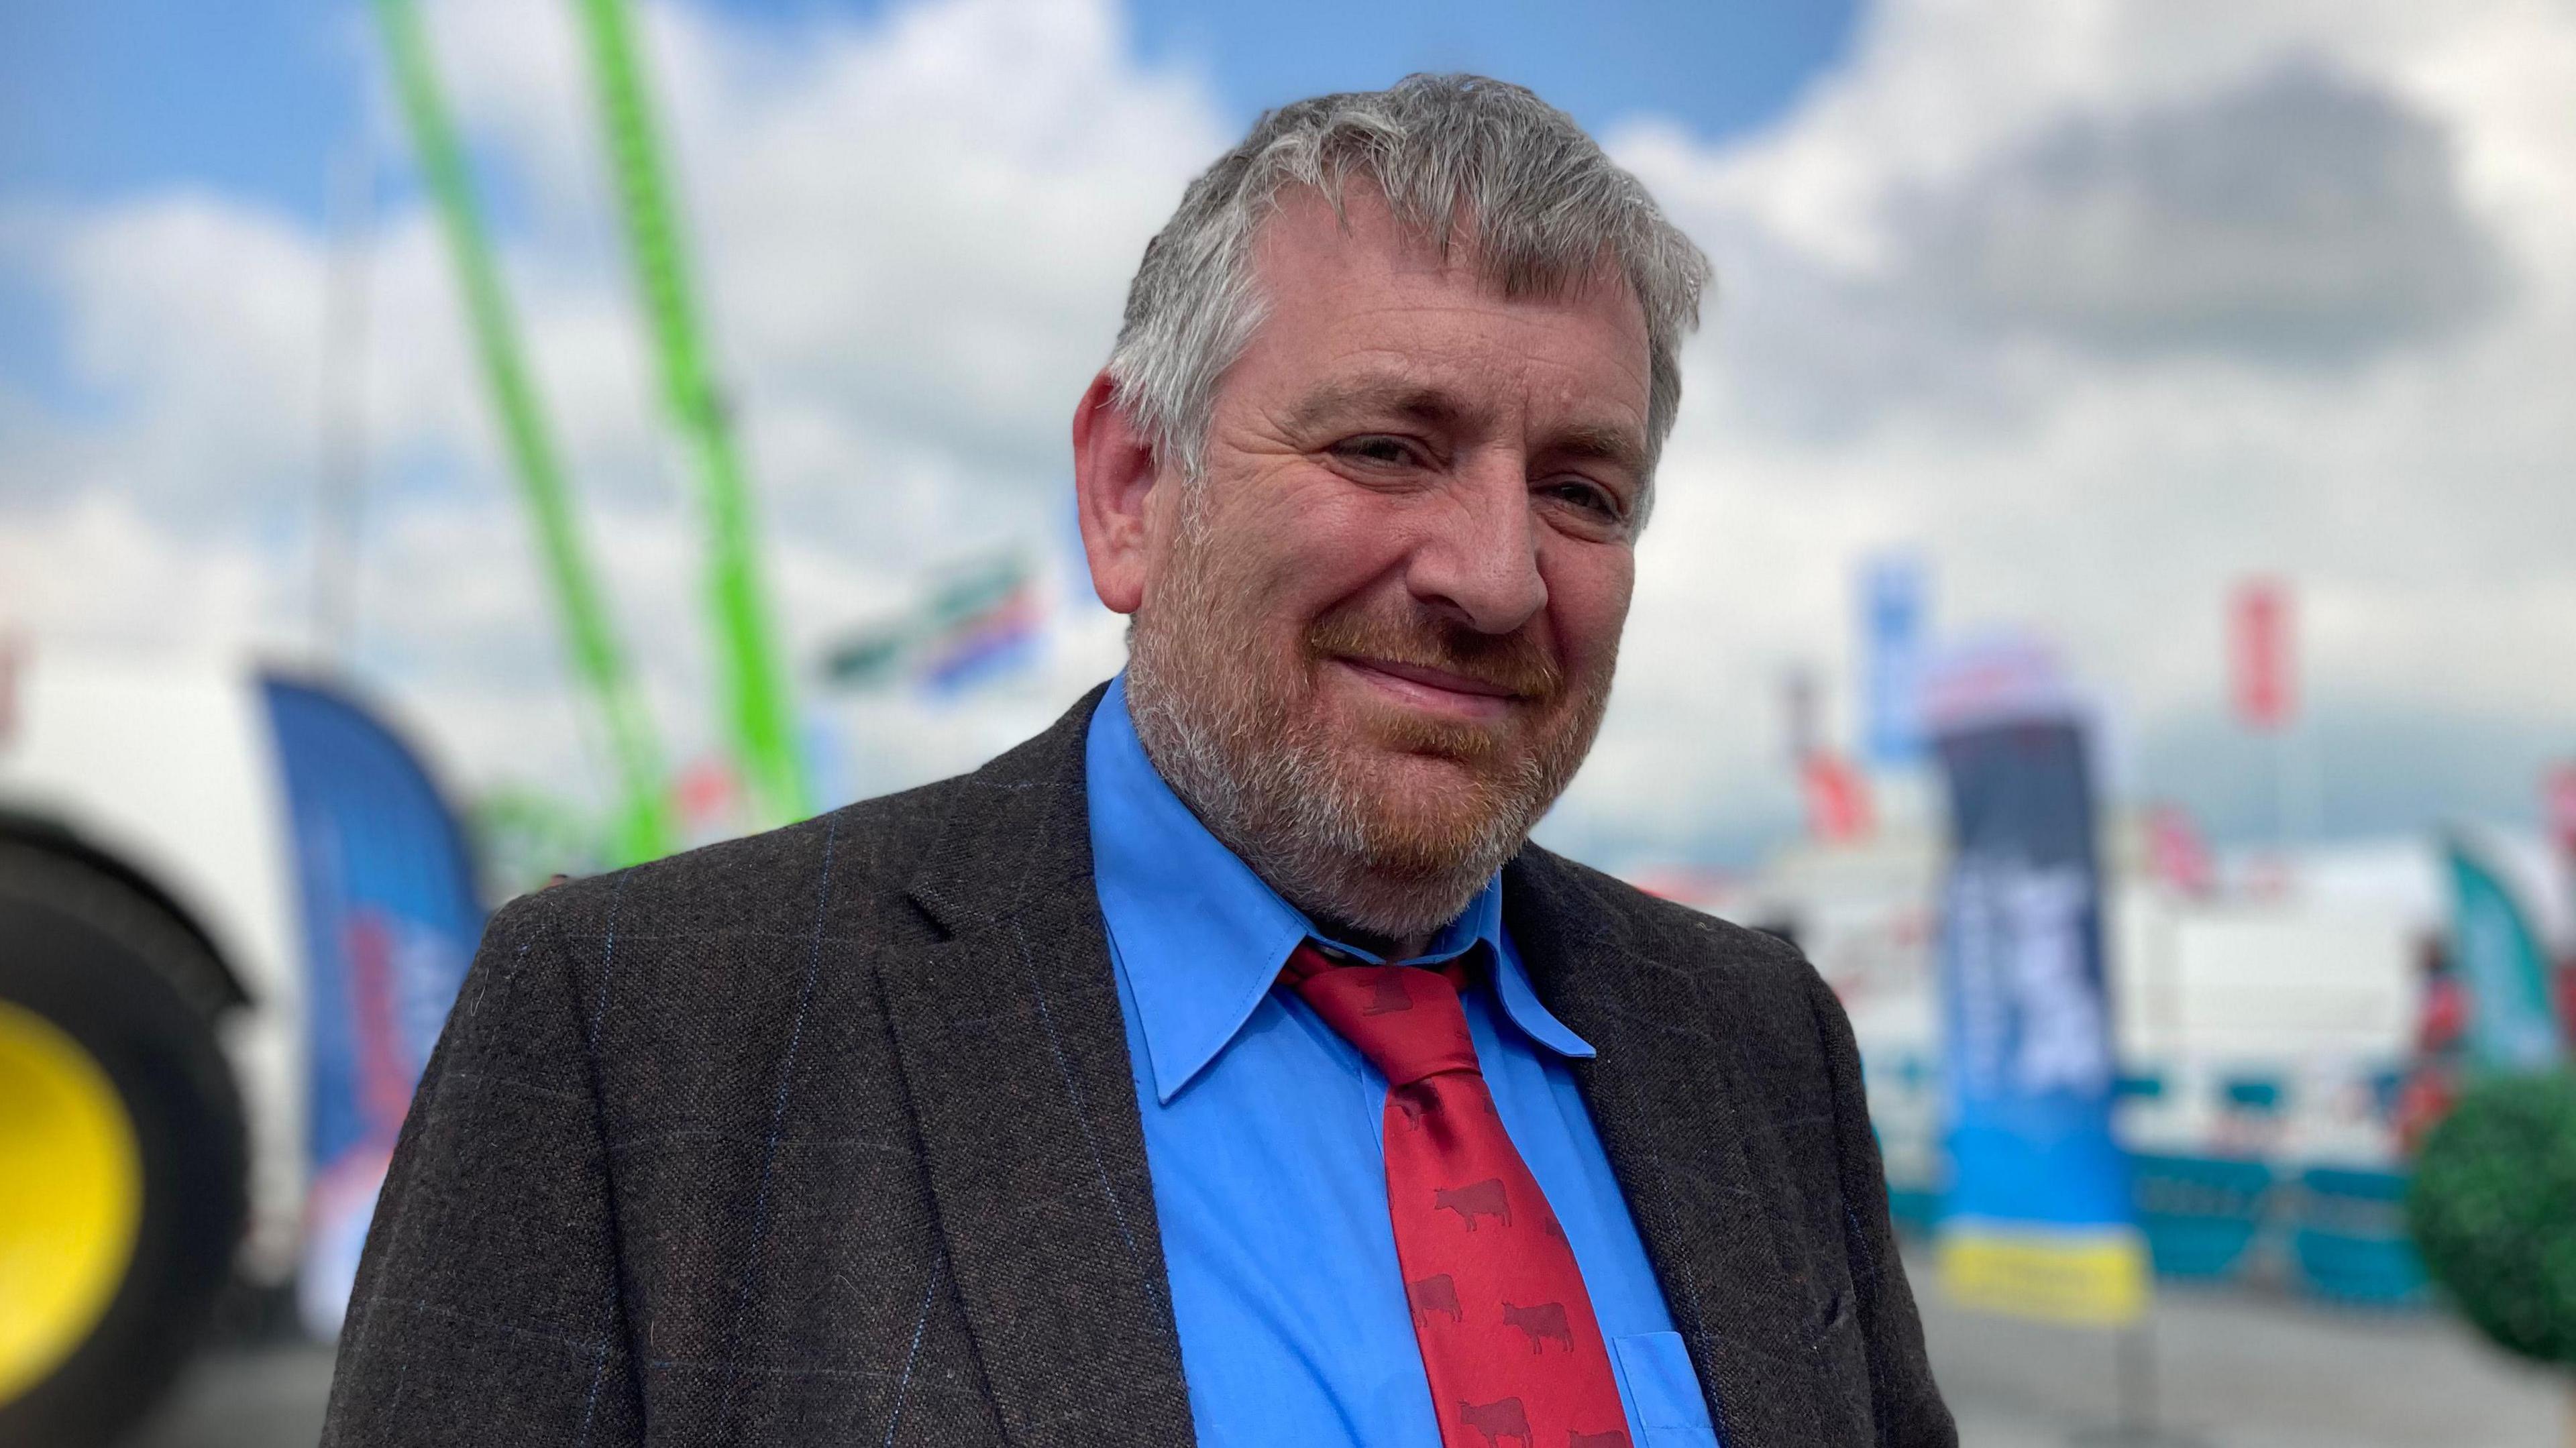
<point>1667,930</point>
<point>771,881</point>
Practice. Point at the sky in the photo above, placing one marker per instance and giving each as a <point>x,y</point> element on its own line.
<point>119,96</point>
<point>2095,306</point>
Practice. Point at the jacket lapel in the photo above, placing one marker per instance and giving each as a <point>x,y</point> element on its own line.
<point>1682,1114</point>
<point>1014,1052</point>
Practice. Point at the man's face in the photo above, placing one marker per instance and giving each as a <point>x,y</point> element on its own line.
<point>1384,622</point>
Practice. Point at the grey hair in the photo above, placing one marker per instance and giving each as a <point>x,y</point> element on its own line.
<point>1547,208</point>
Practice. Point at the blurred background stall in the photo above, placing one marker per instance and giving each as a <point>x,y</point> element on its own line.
<point>447,443</point>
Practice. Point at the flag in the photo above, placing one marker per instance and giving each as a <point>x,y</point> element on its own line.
<point>1891,659</point>
<point>2496,955</point>
<point>2176,855</point>
<point>1837,798</point>
<point>972,623</point>
<point>2261,646</point>
<point>2559,796</point>
<point>389,921</point>
<point>2038,1220</point>
<point>980,624</point>
<point>870,657</point>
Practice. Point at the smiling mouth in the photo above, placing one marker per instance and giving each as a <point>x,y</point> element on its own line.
<point>1434,690</point>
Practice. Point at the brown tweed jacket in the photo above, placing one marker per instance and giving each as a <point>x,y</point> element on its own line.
<point>828,1137</point>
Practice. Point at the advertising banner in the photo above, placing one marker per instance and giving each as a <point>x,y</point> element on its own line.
<point>2038,1219</point>
<point>390,922</point>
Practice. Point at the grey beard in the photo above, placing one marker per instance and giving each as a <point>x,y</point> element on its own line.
<point>1286,812</point>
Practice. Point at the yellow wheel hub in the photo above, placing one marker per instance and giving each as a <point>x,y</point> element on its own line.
<point>71,1196</point>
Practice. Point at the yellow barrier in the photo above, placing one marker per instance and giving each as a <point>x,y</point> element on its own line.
<point>2092,1277</point>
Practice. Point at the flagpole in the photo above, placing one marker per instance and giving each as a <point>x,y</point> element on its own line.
<point>2137,1375</point>
<point>2140,1421</point>
<point>2283,808</point>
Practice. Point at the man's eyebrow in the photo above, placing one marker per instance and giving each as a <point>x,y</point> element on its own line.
<point>1377,395</point>
<point>1601,442</point>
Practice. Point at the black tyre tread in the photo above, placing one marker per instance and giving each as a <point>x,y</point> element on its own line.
<point>147,936</point>
<point>123,914</point>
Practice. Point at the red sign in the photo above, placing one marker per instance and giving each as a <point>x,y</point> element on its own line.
<point>2260,643</point>
<point>706,794</point>
<point>2175,853</point>
<point>2560,792</point>
<point>1837,799</point>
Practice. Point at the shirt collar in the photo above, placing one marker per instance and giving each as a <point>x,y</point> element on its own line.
<point>1201,938</point>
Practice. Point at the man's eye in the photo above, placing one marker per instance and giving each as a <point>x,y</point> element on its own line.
<point>1591,497</point>
<point>1388,450</point>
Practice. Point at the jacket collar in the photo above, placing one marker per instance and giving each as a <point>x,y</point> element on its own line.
<point>1015,1065</point>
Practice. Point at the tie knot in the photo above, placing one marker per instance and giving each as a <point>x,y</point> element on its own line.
<point>1404,1018</point>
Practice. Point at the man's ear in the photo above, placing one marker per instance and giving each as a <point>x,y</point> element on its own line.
<point>1114,468</point>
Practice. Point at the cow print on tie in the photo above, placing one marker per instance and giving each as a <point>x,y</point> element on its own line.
<point>1436,1294</point>
<point>1477,1199</point>
<point>1511,1350</point>
<point>1498,1420</point>
<point>1544,1323</point>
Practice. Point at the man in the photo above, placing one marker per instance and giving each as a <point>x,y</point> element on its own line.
<point>1221,1066</point>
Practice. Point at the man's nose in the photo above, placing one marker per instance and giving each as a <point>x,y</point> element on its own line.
<point>1478,558</point>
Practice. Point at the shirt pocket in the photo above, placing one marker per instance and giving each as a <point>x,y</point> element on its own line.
<point>1664,1390</point>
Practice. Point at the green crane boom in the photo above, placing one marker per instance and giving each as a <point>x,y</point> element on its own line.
<point>761,716</point>
<point>644,829</point>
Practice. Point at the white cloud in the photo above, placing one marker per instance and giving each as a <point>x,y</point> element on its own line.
<point>2107,493</point>
<point>2298,218</point>
<point>91,566</point>
<point>914,235</point>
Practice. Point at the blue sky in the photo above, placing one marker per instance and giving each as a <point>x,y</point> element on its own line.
<point>251,97</point>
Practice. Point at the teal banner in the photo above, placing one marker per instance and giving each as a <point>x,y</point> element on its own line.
<point>2512,1028</point>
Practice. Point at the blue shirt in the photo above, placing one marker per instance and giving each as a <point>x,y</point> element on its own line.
<point>1261,1130</point>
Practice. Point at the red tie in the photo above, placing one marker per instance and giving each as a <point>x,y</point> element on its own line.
<point>1508,1338</point>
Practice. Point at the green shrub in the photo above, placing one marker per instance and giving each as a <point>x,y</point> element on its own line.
<point>2493,1210</point>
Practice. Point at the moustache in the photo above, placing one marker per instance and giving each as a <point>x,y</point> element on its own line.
<point>1514,662</point>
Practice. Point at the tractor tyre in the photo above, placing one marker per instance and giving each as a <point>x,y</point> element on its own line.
<point>123,1161</point>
